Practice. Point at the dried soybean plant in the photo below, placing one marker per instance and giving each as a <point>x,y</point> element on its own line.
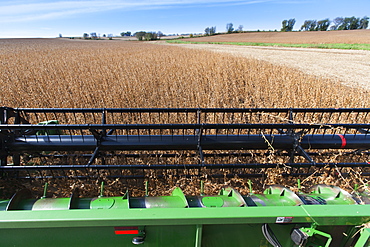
<point>92,74</point>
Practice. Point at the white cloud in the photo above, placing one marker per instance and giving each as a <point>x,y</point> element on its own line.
<point>21,11</point>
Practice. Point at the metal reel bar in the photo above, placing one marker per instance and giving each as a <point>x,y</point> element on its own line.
<point>96,133</point>
<point>184,115</point>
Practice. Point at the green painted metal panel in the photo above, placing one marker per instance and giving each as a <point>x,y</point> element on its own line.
<point>364,239</point>
<point>279,196</point>
<point>51,204</point>
<point>243,235</point>
<point>231,198</point>
<point>163,236</point>
<point>332,195</point>
<point>102,203</point>
<point>212,201</point>
<point>164,202</point>
<point>217,235</point>
<point>227,219</point>
<point>318,214</point>
<point>3,204</point>
<point>49,132</point>
<point>174,226</point>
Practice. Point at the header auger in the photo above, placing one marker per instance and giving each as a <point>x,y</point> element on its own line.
<point>128,148</point>
<point>326,216</point>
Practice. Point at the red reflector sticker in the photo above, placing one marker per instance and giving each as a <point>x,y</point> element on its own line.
<point>126,230</point>
<point>344,141</point>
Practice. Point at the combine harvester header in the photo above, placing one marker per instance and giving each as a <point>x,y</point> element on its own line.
<point>147,146</point>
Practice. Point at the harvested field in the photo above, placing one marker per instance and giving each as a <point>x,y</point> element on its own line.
<point>347,36</point>
<point>77,74</point>
<point>350,67</point>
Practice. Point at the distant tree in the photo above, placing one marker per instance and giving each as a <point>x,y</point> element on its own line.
<point>128,33</point>
<point>354,23</point>
<point>284,26</point>
<point>309,25</point>
<point>85,35</point>
<point>206,31</point>
<point>304,26</point>
<point>60,35</point>
<point>210,31</point>
<point>146,35</point>
<point>229,28</point>
<point>93,35</point>
<point>350,23</point>
<point>323,25</point>
<point>291,23</point>
<point>313,25</point>
<point>110,36</point>
<point>140,35</point>
<point>159,34</point>
<point>337,23</point>
<point>364,23</point>
<point>287,25</point>
<point>150,36</point>
<point>240,28</point>
<point>104,35</point>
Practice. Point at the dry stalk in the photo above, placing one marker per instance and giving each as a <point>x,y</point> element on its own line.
<point>64,73</point>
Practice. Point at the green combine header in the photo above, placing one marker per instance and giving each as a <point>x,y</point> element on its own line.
<point>138,151</point>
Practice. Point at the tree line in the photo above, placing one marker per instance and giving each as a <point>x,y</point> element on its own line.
<point>95,36</point>
<point>339,23</point>
<point>229,29</point>
<point>141,35</point>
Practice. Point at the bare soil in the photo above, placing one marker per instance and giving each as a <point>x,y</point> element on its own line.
<point>347,36</point>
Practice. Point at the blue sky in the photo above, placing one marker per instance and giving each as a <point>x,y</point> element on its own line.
<point>49,18</point>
